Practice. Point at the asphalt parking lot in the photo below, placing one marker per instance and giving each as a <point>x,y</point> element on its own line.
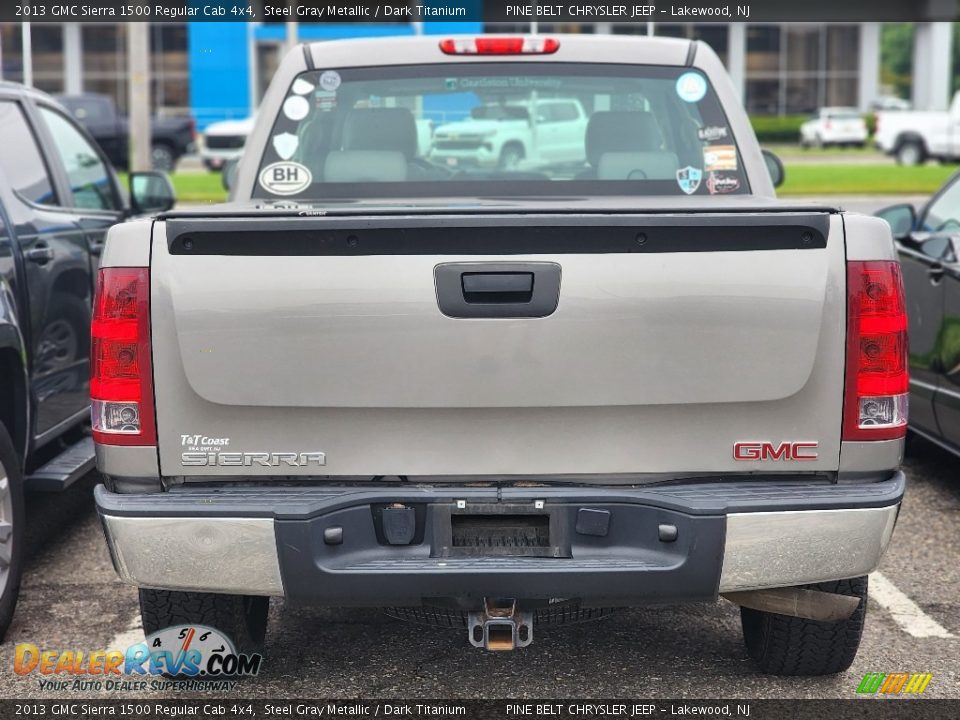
<point>71,599</point>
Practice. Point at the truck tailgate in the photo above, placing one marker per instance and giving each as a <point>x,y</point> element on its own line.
<point>668,339</point>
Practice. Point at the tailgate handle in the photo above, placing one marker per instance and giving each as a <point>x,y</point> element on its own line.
<point>508,287</point>
<point>497,289</point>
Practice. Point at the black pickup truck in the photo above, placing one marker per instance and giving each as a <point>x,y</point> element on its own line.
<point>171,137</point>
<point>58,197</point>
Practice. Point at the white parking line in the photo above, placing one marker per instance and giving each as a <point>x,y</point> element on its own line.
<point>132,635</point>
<point>904,611</point>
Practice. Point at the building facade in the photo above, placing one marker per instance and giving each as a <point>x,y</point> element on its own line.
<point>215,71</point>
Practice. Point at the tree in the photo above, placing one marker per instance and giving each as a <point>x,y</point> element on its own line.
<point>896,57</point>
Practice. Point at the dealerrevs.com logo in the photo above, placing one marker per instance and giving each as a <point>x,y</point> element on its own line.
<point>189,656</point>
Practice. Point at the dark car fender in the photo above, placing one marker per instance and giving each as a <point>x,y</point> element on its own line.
<point>14,405</point>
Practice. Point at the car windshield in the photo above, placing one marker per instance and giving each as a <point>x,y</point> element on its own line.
<point>478,129</point>
<point>844,115</point>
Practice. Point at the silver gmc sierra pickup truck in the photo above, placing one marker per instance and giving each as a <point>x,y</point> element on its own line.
<point>496,398</point>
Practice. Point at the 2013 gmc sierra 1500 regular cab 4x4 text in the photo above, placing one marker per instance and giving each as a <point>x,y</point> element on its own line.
<point>494,398</point>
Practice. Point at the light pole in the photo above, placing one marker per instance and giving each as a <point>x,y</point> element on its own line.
<point>138,74</point>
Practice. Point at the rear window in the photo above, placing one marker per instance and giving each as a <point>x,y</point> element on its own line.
<point>479,129</point>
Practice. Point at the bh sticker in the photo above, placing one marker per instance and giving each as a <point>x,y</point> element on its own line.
<point>691,87</point>
<point>688,179</point>
<point>285,178</point>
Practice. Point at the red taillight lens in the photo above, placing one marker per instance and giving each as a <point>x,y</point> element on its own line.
<point>500,46</point>
<point>121,385</point>
<point>877,379</point>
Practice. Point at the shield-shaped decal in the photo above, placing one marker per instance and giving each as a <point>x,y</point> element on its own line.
<point>285,144</point>
<point>688,179</point>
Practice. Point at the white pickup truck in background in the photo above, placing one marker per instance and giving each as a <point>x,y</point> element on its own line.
<point>915,136</point>
<point>514,135</point>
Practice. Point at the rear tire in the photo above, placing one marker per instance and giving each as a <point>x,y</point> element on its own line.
<point>782,645</point>
<point>242,618</point>
<point>11,530</point>
<point>163,158</point>
<point>911,152</point>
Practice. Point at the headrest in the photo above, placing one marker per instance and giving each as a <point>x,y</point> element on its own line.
<point>621,131</point>
<point>365,166</point>
<point>657,165</point>
<point>381,129</point>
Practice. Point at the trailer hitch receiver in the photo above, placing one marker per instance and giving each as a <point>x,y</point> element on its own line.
<point>500,625</point>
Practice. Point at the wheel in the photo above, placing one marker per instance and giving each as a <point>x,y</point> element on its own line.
<point>782,645</point>
<point>510,157</point>
<point>66,336</point>
<point>11,529</point>
<point>910,152</point>
<point>242,618</point>
<point>162,157</point>
<point>818,142</point>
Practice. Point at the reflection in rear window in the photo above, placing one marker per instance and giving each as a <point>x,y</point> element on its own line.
<point>533,128</point>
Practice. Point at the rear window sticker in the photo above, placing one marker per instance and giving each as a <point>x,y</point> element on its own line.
<point>301,86</point>
<point>325,101</point>
<point>285,178</point>
<point>296,108</point>
<point>719,183</point>
<point>691,87</point>
<point>712,133</point>
<point>330,80</point>
<point>285,144</point>
<point>688,179</point>
<point>719,157</point>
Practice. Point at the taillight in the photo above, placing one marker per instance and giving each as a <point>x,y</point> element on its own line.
<point>877,380</point>
<point>500,46</point>
<point>121,385</point>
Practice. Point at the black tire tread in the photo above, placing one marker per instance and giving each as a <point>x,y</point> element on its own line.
<point>783,645</point>
<point>242,619</point>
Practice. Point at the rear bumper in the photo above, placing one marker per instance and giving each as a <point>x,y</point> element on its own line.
<point>265,540</point>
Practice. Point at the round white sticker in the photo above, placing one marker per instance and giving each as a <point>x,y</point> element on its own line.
<point>301,86</point>
<point>691,87</point>
<point>330,80</point>
<point>285,178</point>
<point>296,108</point>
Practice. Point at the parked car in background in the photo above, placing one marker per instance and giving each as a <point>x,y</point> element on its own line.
<point>58,196</point>
<point>913,137</point>
<point>223,141</point>
<point>890,103</point>
<point>928,243</point>
<point>834,126</point>
<point>514,134</point>
<point>171,137</point>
